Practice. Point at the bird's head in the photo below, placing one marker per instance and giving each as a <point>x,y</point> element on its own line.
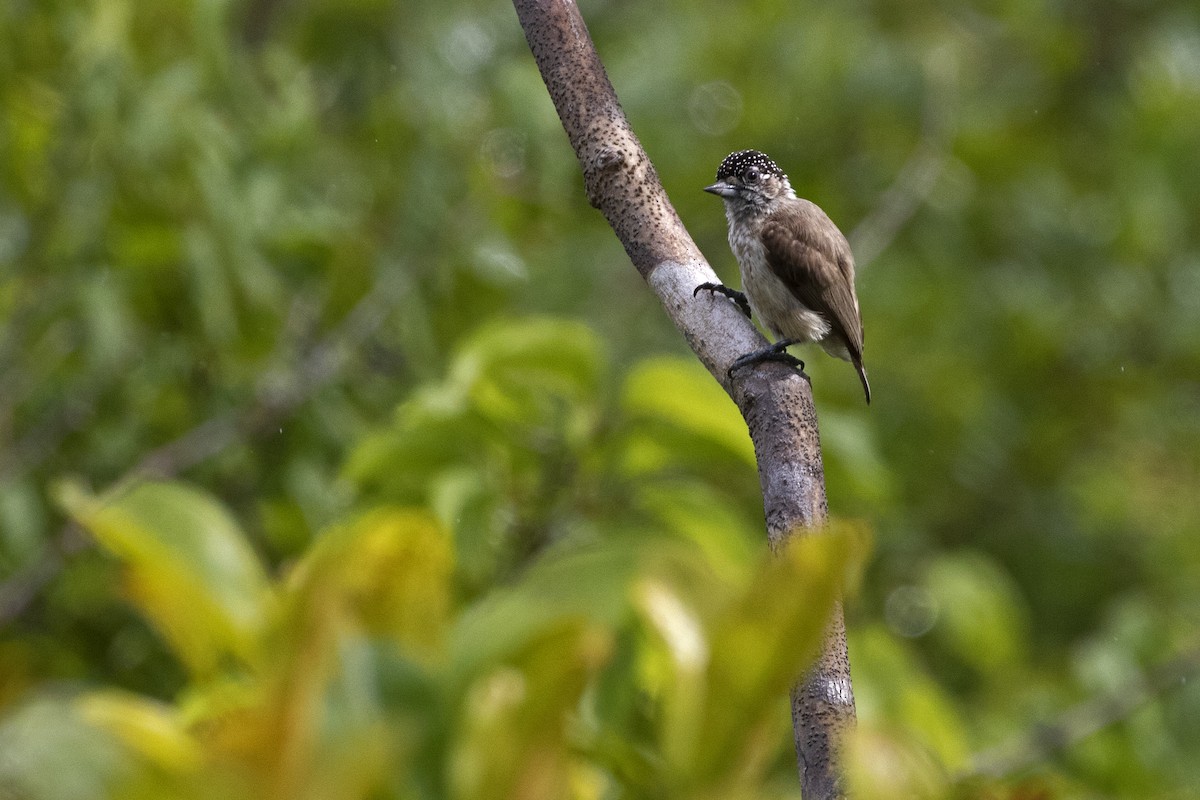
<point>750,182</point>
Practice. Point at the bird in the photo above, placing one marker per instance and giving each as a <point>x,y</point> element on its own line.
<point>796,266</point>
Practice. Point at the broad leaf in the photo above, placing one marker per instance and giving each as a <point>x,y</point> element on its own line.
<point>188,566</point>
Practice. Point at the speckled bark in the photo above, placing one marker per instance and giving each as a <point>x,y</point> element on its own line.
<point>775,400</point>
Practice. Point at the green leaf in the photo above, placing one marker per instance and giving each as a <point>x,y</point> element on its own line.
<point>512,386</point>
<point>732,669</point>
<point>679,392</point>
<point>586,583</point>
<point>524,371</point>
<point>981,617</point>
<point>894,693</point>
<point>391,569</point>
<point>430,434</point>
<point>513,732</point>
<point>692,510</point>
<point>189,569</point>
<point>885,764</point>
<point>153,730</point>
<point>467,503</point>
<point>51,753</point>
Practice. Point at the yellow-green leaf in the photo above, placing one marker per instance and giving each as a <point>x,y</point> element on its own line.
<point>760,645</point>
<point>392,568</point>
<point>515,717</point>
<point>151,729</point>
<point>189,568</point>
<point>680,392</point>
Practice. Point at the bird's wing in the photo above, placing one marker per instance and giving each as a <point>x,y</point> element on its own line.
<point>809,254</point>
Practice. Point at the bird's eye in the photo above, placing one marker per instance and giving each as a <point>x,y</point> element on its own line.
<point>751,175</point>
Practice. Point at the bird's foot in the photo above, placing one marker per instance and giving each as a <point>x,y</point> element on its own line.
<point>776,352</point>
<point>732,294</point>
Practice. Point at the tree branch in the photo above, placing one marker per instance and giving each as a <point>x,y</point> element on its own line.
<point>1081,721</point>
<point>277,396</point>
<point>896,206</point>
<point>775,400</point>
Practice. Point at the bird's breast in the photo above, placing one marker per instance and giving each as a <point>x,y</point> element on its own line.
<point>772,302</point>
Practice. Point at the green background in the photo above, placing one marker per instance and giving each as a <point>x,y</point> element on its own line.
<point>450,509</point>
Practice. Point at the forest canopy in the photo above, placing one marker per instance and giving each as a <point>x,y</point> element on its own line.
<point>343,454</point>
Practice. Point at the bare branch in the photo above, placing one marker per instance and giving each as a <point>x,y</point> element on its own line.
<point>1078,723</point>
<point>916,179</point>
<point>277,397</point>
<point>23,586</point>
<point>41,439</point>
<point>775,401</point>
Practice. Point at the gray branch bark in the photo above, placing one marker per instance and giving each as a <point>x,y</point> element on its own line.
<point>775,400</point>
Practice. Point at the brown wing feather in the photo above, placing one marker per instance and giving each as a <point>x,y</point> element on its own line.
<point>812,258</point>
<point>810,255</point>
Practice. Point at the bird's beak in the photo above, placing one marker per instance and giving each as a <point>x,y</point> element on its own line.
<point>721,188</point>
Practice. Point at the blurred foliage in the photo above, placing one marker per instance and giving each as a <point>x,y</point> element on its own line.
<point>625,661</point>
<point>456,515</point>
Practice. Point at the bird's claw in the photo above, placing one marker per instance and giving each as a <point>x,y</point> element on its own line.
<point>776,352</point>
<point>732,294</point>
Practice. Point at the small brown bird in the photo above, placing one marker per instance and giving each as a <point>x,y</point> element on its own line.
<point>796,266</point>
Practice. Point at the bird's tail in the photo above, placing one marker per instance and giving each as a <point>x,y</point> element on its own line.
<point>862,376</point>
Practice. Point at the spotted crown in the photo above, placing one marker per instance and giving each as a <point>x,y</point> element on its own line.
<point>736,163</point>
